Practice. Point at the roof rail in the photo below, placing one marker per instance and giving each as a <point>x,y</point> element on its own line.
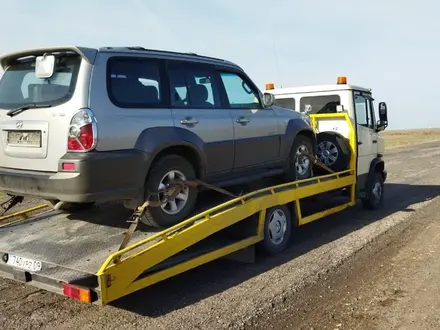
<point>140,48</point>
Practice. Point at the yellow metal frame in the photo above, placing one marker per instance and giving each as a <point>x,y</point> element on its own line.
<point>24,214</point>
<point>121,273</point>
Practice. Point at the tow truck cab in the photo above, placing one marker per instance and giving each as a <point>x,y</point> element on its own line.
<point>358,103</point>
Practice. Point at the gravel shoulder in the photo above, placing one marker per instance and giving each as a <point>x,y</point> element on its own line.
<point>225,294</point>
<point>391,284</point>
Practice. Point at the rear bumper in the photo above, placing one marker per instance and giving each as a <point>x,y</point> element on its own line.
<point>98,176</point>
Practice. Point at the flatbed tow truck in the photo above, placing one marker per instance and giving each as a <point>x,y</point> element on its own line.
<point>93,258</point>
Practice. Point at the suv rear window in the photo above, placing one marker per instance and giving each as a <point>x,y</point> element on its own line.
<point>19,86</point>
<point>135,83</point>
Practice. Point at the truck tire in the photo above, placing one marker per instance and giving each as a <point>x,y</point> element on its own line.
<point>177,210</point>
<point>333,151</point>
<point>300,167</point>
<point>373,199</point>
<point>277,230</point>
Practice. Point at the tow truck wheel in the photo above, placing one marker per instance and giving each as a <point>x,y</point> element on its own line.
<point>277,230</point>
<point>374,192</point>
<point>170,167</point>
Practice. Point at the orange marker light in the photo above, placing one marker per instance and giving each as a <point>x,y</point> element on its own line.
<point>80,294</point>
<point>270,86</point>
<point>342,80</point>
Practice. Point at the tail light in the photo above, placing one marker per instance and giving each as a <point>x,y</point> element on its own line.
<point>82,134</point>
<point>77,293</point>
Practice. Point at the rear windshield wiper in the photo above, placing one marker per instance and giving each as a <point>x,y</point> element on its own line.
<point>14,112</point>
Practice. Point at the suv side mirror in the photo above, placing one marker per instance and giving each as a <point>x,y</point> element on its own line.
<point>268,100</point>
<point>383,117</point>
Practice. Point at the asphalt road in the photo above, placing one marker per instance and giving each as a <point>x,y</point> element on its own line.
<point>228,295</point>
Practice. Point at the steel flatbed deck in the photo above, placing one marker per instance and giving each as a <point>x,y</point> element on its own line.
<point>72,248</point>
<point>79,255</point>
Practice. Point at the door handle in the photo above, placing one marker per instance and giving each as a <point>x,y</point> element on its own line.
<point>359,143</point>
<point>189,121</point>
<point>374,141</point>
<point>242,120</point>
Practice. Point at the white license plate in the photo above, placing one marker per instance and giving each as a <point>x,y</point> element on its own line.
<point>24,138</point>
<point>24,263</point>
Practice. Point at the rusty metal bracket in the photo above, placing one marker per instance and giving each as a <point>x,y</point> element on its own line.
<point>134,221</point>
<point>170,193</point>
<point>315,161</point>
<point>10,203</point>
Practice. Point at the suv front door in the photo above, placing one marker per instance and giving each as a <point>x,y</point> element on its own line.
<point>256,135</point>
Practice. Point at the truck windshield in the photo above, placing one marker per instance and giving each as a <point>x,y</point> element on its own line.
<point>20,87</point>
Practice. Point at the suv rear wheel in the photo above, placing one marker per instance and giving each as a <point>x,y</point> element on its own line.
<point>300,167</point>
<point>171,167</point>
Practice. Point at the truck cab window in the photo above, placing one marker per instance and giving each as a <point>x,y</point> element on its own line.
<point>288,103</point>
<point>361,109</point>
<point>372,120</point>
<point>319,104</point>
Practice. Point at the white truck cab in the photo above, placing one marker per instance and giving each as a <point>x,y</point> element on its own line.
<point>358,103</point>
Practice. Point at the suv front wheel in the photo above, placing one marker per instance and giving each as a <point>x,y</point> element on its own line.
<point>170,167</point>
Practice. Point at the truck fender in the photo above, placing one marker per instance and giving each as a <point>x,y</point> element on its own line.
<point>377,165</point>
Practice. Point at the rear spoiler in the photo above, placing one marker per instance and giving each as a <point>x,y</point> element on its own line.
<point>87,54</point>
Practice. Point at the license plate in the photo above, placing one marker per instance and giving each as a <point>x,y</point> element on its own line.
<point>24,263</point>
<point>24,138</point>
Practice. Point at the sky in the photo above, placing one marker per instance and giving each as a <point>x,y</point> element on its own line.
<point>390,46</point>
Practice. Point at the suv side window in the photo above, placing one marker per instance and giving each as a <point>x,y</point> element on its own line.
<point>135,82</point>
<point>361,107</point>
<point>193,87</point>
<point>239,92</point>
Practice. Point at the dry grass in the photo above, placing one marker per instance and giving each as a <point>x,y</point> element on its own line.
<point>399,138</point>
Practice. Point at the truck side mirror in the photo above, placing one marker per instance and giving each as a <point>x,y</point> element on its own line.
<point>383,117</point>
<point>380,126</point>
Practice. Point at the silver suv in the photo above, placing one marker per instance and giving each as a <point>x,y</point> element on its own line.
<point>81,125</point>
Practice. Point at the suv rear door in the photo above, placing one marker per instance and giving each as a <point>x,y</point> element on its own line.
<point>36,138</point>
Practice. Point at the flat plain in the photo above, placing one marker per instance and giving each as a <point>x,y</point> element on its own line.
<point>404,137</point>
